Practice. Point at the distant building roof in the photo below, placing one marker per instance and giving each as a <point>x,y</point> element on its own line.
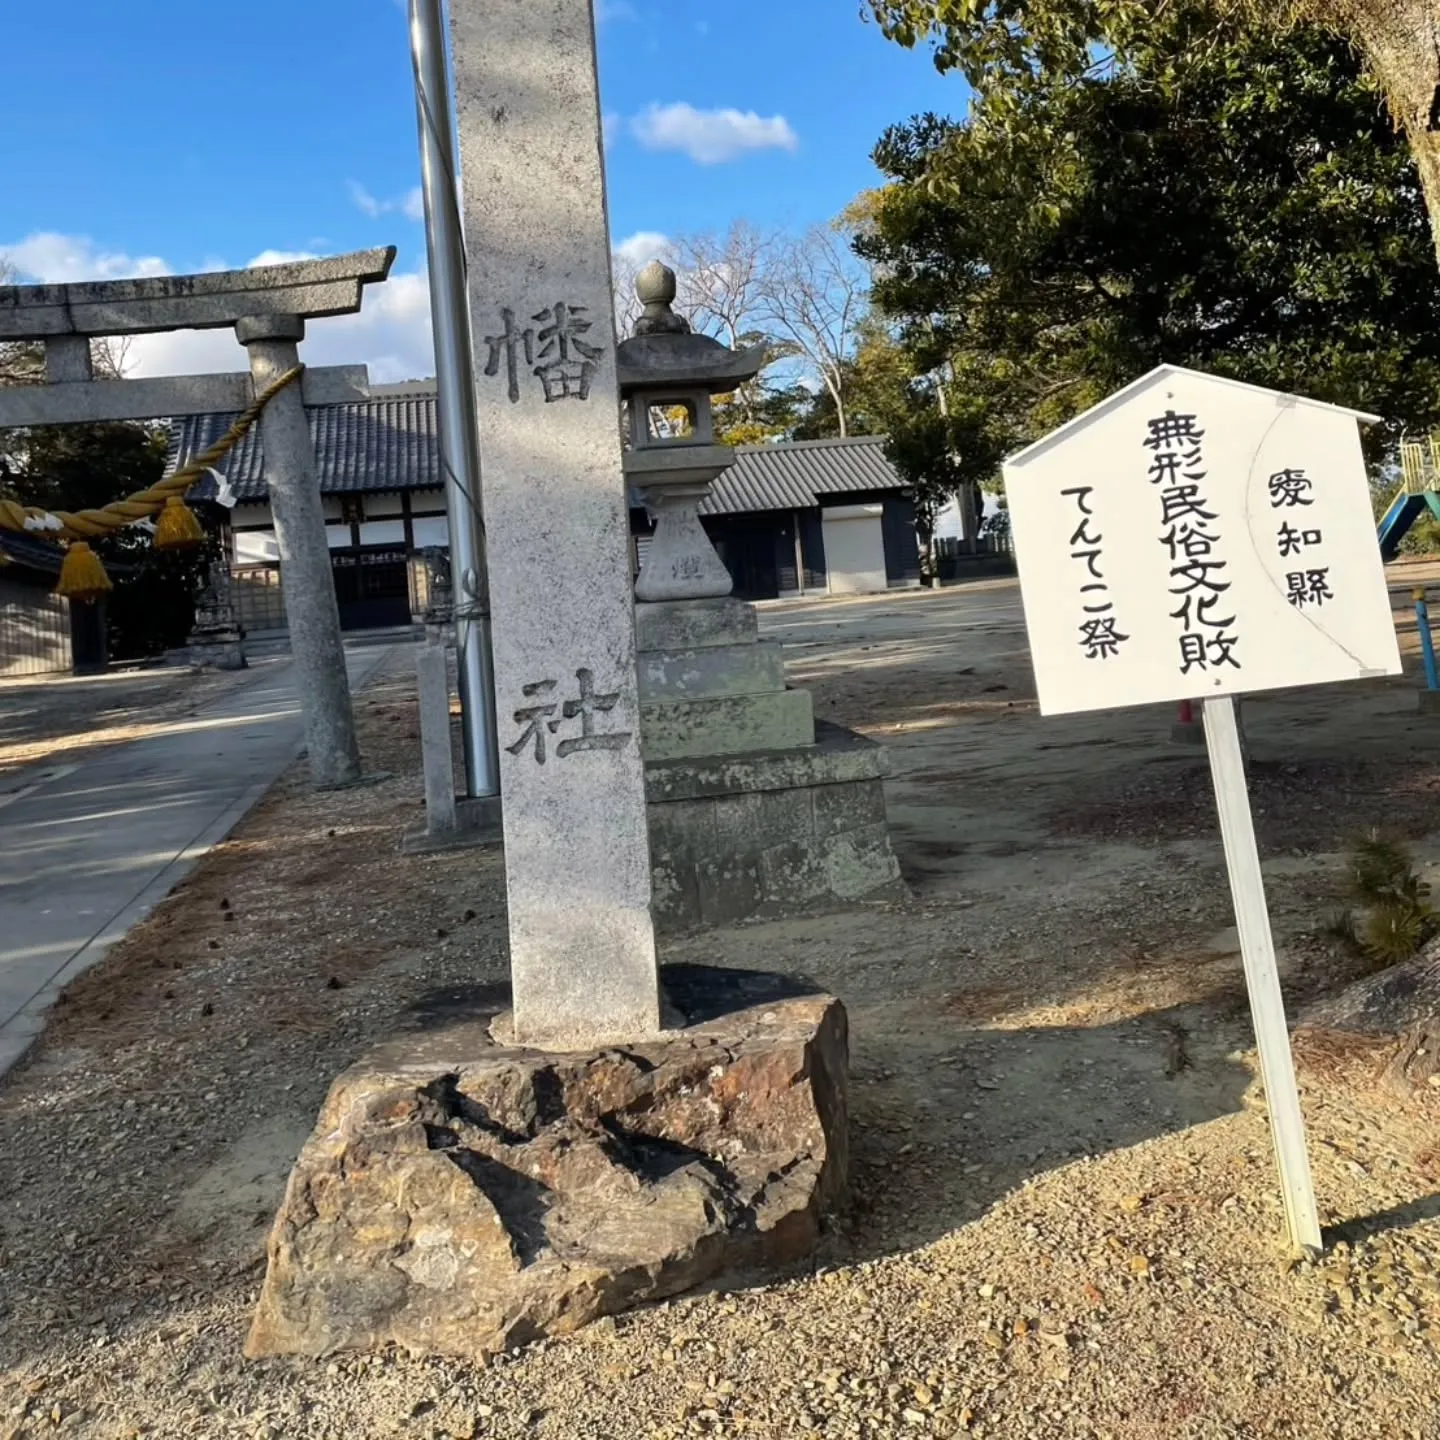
<point>30,553</point>
<point>390,442</point>
<point>794,474</point>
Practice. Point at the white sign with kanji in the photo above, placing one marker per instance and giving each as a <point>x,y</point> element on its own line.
<point>1193,536</point>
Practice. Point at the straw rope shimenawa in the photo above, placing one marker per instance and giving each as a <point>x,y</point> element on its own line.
<point>82,576</point>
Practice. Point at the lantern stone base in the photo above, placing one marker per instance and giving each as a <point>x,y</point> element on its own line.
<point>760,836</point>
<point>460,1197</point>
<point>726,725</point>
<point>216,651</point>
<point>756,811</point>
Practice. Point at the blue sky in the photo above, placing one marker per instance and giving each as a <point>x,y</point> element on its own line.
<point>166,135</point>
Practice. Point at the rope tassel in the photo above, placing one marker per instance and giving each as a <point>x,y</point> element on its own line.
<point>92,524</point>
<point>82,576</point>
<point>177,528</point>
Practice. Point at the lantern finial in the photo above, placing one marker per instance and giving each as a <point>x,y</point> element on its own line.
<point>655,287</point>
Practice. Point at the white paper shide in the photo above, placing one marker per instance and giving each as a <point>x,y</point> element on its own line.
<point>1193,536</point>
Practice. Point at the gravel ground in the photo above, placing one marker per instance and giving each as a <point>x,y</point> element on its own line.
<point>1065,1217</point>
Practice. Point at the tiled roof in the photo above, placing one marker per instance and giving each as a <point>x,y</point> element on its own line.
<point>389,442</point>
<point>793,475</point>
<point>30,552</point>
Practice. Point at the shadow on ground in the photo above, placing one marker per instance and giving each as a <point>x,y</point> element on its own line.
<point>941,1134</point>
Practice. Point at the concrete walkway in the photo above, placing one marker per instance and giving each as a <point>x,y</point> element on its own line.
<point>88,849</point>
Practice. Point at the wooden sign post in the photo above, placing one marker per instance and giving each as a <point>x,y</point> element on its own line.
<point>1195,536</point>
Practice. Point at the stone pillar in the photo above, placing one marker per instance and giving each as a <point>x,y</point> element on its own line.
<point>433,684</point>
<point>67,359</point>
<point>310,608</point>
<point>576,850</point>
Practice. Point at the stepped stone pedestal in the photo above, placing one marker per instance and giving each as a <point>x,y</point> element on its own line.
<point>215,640</point>
<point>755,811</point>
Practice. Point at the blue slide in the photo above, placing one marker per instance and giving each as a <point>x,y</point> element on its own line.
<point>1404,510</point>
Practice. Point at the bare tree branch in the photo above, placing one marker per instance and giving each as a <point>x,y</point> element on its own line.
<point>815,293</point>
<point>722,280</point>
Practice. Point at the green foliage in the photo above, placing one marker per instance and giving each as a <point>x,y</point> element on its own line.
<point>1238,203</point>
<point>1378,868</point>
<point>79,467</point>
<point>1423,537</point>
<point>764,411</point>
<point>1395,932</point>
<point>1341,926</point>
<point>878,384</point>
<point>1399,919</point>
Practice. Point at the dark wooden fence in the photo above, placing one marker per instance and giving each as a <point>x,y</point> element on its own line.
<point>957,559</point>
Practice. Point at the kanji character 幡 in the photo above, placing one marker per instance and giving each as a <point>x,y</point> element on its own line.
<point>567,363</point>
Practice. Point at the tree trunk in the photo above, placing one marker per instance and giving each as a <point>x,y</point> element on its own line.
<point>1399,1002</point>
<point>1400,40</point>
<point>837,394</point>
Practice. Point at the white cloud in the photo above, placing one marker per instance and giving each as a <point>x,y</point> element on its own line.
<point>391,335</point>
<point>711,137</point>
<point>641,248</point>
<point>411,204</point>
<point>46,258</point>
<point>280,257</point>
<point>607,10</point>
<point>364,200</point>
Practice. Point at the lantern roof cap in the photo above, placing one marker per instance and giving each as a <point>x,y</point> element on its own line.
<point>665,354</point>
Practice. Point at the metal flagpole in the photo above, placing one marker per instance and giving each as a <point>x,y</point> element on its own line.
<point>454,371</point>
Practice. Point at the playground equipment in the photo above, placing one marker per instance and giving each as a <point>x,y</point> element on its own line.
<point>1420,468</point>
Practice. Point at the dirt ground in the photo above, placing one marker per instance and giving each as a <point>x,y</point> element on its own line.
<point>1065,1217</point>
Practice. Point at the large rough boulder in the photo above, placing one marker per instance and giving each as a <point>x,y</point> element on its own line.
<point>461,1197</point>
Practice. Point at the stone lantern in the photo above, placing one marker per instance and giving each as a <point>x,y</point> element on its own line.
<point>754,809</point>
<point>665,368</point>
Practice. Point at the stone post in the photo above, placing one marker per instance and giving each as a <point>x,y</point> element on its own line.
<point>433,684</point>
<point>577,855</point>
<point>67,359</point>
<point>305,576</point>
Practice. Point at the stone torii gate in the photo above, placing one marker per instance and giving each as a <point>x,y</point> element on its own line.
<point>268,307</point>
